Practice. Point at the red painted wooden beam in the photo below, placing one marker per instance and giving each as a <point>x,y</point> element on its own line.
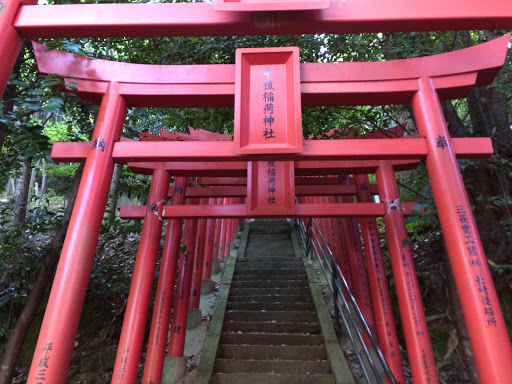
<point>75,152</point>
<point>132,212</point>
<point>224,181</point>
<point>383,82</point>
<point>196,134</point>
<point>217,191</point>
<point>229,181</point>
<point>302,168</point>
<point>300,190</point>
<point>356,149</point>
<point>197,169</point>
<point>200,19</point>
<point>313,150</point>
<point>337,167</point>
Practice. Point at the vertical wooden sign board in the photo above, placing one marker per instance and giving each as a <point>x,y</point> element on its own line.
<point>267,101</point>
<point>271,187</point>
<point>268,120</point>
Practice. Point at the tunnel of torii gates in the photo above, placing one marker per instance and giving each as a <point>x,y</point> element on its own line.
<point>267,170</point>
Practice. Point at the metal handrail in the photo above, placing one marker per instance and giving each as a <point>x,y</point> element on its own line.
<point>316,245</point>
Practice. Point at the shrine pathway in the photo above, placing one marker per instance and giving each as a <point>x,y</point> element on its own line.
<point>276,327</point>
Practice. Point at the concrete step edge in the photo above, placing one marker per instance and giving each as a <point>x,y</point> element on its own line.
<point>259,378</point>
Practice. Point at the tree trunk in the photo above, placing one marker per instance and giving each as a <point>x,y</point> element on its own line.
<point>37,294</point>
<point>21,189</point>
<point>43,182</point>
<point>9,188</point>
<point>455,125</point>
<point>33,175</point>
<point>113,194</point>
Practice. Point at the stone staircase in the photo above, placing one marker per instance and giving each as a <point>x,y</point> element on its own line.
<point>271,333</point>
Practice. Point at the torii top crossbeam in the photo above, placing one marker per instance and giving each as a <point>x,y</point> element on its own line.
<point>201,19</point>
<point>322,84</point>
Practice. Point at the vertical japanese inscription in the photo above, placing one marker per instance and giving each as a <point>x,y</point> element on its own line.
<point>441,142</point>
<point>43,364</point>
<point>466,230</point>
<point>411,293</point>
<point>124,359</point>
<point>99,143</point>
<point>381,278</point>
<point>472,253</point>
<point>159,319</point>
<point>271,172</point>
<point>268,109</point>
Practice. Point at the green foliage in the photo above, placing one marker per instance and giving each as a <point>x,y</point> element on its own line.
<point>62,131</point>
<point>21,249</point>
<point>184,252</point>
<point>114,261</point>
<point>63,170</point>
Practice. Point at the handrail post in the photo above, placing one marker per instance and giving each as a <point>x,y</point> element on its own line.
<point>308,236</point>
<point>334,277</point>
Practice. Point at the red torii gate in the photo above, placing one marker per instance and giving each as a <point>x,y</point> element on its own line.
<point>135,314</point>
<point>421,81</point>
<point>386,332</point>
<point>446,75</point>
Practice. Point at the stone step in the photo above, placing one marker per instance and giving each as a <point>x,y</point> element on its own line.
<point>265,228</point>
<point>270,272</point>
<point>242,283</point>
<point>258,257</point>
<point>264,352</point>
<point>270,339</point>
<point>257,270</point>
<point>262,237</point>
<point>278,251</point>
<point>262,378</point>
<point>237,306</point>
<point>278,259</point>
<point>269,291</point>
<point>272,366</point>
<point>295,263</point>
<point>272,327</point>
<point>283,236</point>
<point>266,241</point>
<point>272,299</point>
<point>289,317</point>
<point>242,277</point>
<point>270,259</point>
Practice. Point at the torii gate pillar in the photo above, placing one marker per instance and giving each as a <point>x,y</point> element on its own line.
<point>486,326</point>
<point>60,322</point>
<point>134,324</point>
<point>10,41</point>
<point>419,347</point>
